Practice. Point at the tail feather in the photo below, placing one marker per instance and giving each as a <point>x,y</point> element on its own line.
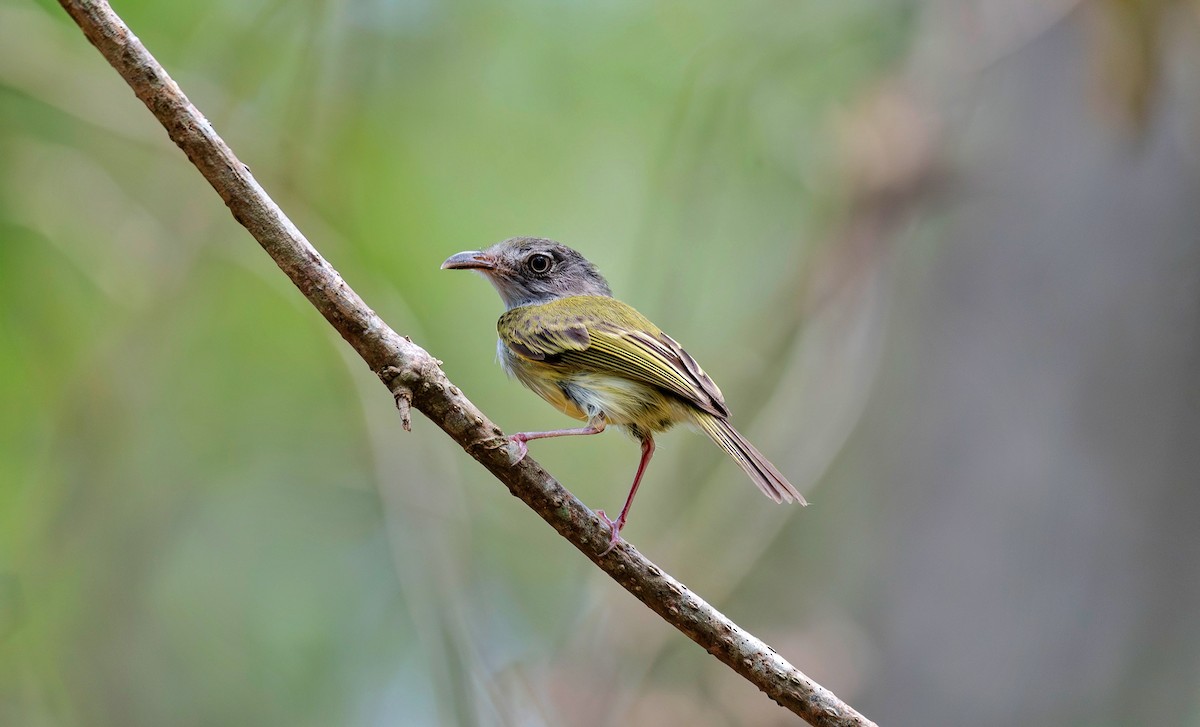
<point>764,474</point>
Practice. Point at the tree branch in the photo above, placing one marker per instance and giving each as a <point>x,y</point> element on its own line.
<point>416,380</point>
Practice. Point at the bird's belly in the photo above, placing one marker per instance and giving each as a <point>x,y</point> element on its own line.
<point>543,379</point>
<point>584,394</point>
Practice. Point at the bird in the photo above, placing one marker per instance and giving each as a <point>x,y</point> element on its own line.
<point>598,360</point>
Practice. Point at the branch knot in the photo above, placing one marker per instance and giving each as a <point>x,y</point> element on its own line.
<point>399,381</point>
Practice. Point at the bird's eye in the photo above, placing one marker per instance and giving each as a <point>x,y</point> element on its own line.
<point>540,263</point>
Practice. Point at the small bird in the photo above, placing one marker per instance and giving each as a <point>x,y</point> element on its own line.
<point>598,360</point>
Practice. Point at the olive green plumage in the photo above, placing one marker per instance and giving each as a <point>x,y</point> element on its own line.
<point>597,339</point>
<point>599,360</point>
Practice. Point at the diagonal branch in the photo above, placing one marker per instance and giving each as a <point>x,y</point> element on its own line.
<point>416,381</point>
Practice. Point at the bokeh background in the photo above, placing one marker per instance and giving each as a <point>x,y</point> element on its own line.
<point>943,258</point>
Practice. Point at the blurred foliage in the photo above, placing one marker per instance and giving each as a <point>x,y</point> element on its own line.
<point>210,516</point>
<point>208,511</point>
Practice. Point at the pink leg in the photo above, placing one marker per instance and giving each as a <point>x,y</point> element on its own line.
<point>614,527</point>
<point>595,426</point>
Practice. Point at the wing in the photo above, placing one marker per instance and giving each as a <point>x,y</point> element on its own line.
<point>542,335</point>
<point>603,335</point>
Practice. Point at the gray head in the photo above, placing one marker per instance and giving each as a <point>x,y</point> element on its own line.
<point>529,270</point>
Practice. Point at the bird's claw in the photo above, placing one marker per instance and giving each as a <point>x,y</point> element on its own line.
<point>521,449</point>
<point>614,530</point>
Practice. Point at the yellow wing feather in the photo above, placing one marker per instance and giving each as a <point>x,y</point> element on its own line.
<point>597,334</point>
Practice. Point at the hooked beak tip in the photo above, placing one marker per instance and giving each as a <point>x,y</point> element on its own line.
<point>470,260</point>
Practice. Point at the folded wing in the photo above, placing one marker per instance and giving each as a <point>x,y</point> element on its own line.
<point>603,335</point>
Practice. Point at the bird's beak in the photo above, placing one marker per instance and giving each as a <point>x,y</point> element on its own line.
<point>470,260</point>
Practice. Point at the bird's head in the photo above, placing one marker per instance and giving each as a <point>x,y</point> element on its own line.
<point>531,270</point>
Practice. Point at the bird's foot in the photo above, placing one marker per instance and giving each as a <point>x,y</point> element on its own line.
<point>614,530</point>
<point>518,440</point>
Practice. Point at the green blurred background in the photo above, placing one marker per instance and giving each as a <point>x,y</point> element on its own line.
<point>942,257</point>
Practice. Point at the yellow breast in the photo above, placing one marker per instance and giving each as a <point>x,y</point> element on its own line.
<point>582,395</point>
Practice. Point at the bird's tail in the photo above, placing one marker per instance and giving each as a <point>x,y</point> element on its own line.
<point>773,484</point>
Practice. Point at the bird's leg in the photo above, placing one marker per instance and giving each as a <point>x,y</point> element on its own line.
<point>595,426</point>
<point>614,526</point>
